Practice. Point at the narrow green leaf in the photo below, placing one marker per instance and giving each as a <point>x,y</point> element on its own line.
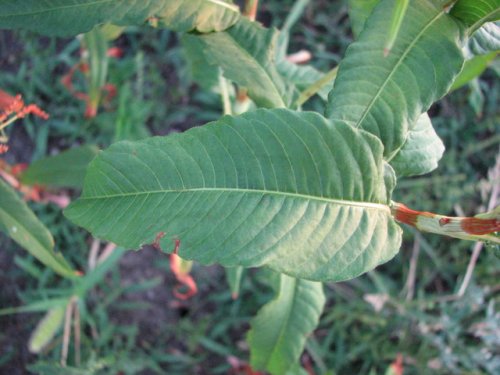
<point>21,224</point>
<point>474,13</point>
<point>386,95</point>
<point>473,68</point>
<point>397,16</point>
<point>293,16</point>
<point>131,115</point>
<point>96,43</point>
<point>280,329</point>
<point>54,170</point>
<point>36,306</point>
<point>88,281</point>
<point>359,11</point>
<point>246,53</point>
<point>421,152</point>
<point>233,276</point>
<point>64,17</point>
<point>47,368</point>
<point>46,329</point>
<point>276,187</point>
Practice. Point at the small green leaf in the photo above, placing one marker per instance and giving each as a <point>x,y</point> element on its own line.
<point>421,152</point>
<point>303,76</point>
<point>246,53</point>
<point>54,170</point>
<point>271,187</point>
<point>280,329</point>
<point>21,224</point>
<point>46,329</point>
<point>63,17</point>
<point>474,13</point>
<point>386,95</point>
<point>473,68</point>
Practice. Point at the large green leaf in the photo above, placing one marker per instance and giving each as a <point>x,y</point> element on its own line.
<point>66,169</point>
<point>21,224</point>
<point>386,95</point>
<point>422,150</point>
<point>280,329</point>
<point>476,12</point>
<point>276,187</point>
<point>71,17</point>
<point>246,53</point>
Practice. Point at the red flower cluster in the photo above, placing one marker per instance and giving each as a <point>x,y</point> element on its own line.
<point>11,109</point>
<point>108,88</point>
<point>14,105</point>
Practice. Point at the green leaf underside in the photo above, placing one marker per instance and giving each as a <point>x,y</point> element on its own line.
<point>71,17</point>
<point>21,224</point>
<point>474,13</point>
<point>271,187</point>
<point>485,40</point>
<point>54,171</point>
<point>280,329</point>
<point>421,152</point>
<point>386,95</point>
<point>246,53</point>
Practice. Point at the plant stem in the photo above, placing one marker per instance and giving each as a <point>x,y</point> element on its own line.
<point>412,272</point>
<point>478,247</point>
<point>76,332</point>
<point>224,92</point>
<point>250,10</point>
<point>316,86</point>
<point>8,122</point>
<point>67,332</point>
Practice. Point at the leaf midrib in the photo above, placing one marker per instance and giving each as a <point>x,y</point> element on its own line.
<point>396,67</point>
<point>75,6</point>
<point>379,206</point>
